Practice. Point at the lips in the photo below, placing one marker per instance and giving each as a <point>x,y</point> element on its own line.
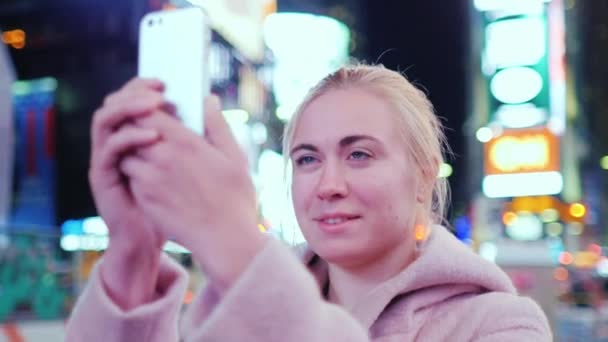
<point>336,219</point>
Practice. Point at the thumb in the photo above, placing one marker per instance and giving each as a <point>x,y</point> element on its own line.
<point>217,130</point>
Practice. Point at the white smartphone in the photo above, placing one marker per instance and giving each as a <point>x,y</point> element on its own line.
<point>174,47</point>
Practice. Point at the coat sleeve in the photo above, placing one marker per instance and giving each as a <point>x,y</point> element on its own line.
<point>275,299</point>
<point>514,320</point>
<point>96,317</point>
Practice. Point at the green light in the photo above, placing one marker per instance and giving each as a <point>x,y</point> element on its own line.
<point>604,162</point>
<point>20,88</point>
<point>445,170</point>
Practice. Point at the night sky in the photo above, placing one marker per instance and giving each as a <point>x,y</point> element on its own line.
<point>426,39</point>
<point>429,41</point>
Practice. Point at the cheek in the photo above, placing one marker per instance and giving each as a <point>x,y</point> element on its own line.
<point>391,199</point>
<point>301,192</point>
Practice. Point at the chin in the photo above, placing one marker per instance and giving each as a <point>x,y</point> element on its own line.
<point>340,254</point>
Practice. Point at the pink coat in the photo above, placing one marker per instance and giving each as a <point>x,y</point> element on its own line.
<point>448,294</point>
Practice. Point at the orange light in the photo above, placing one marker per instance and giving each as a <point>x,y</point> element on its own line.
<point>19,45</point>
<point>509,218</point>
<point>188,297</point>
<point>560,274</point>
<point>13,37</point>
<point>523,150</point>
<point>420,232</point>
<point>566,258</point>
<point>577,210</point>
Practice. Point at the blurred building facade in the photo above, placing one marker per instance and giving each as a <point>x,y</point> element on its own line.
<point>536,139</point>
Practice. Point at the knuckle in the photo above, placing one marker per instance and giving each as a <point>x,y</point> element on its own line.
<point>109,98</point>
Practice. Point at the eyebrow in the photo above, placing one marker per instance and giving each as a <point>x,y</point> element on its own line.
<point>344,142</point>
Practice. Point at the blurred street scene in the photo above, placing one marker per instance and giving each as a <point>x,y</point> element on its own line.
<point>521,85</point>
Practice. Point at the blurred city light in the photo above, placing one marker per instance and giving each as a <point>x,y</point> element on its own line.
<point>577,210</point>
<point>484,134</point>
<point>560,273</point>
<point>527,227</point>
<point>604,162</point>
<point>522,184</point>
<point>595,248</point>
<point>575,228</point>
<point>285,112</point>
<point>585,259</point>
<point>445,170</point>
<point>306,48</point>
<point>15,38</point>
<point>91,234</point>
<point>602,267</point>
<point>549,215</point>
<point>509,218</point>
<point>566,258</point>
<point>519,6</point>
<point>555,229</point>
<point>520,115</point>
<point>515,42</point>
<point>516,85</point>
<point>236,116</point>
<point>488,251</point>
<point>259,133</point>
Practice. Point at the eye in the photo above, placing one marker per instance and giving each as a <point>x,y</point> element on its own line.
<point>305,160</point>
<point>359,155</point>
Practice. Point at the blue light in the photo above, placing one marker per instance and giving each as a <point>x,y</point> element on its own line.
<point>72,227</point>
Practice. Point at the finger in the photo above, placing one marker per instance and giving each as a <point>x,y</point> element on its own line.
<point>131,165</point>
<point>217,130</point>
<point>126,139</point>
<point>108,117</point>
<point>169,126</point>
<point>135,84</point>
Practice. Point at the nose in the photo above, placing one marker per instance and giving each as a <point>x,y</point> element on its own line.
<point>332,183</point>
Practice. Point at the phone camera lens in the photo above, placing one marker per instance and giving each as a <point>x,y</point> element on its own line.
<point>150,22</point>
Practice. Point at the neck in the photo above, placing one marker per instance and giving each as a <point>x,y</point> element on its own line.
<point>349,283</point>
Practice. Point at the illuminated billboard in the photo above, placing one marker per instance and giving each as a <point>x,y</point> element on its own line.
<point>522,162</point>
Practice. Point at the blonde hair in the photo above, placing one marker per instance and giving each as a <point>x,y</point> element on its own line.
<point>420,128</point>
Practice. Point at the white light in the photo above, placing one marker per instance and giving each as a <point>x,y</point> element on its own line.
<point>259,133</point>
<point>516,85</point>
<point>520,116</point>
<point>521,6</point>
<point>484,134</point>
<point>173,247</point>
<point>445,170</point>
<point>488,251</point>
<point>523,184</point>
<point>602,267</point>
<point>285,112</point>
<point>292,34</point>
<point>515,42</point>
<point>70,243</point>
<point>94,226</point>
<point>306,48</point>
<point>236,116</point>
<point>527,227</point>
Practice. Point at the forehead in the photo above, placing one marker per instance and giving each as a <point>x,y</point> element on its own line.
<point>343,112</point>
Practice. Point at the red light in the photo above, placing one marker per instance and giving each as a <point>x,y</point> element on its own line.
<point>566,258</point>
<point>595,249</point>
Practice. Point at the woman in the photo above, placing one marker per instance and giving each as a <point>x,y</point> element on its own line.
<point>365,147</point>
